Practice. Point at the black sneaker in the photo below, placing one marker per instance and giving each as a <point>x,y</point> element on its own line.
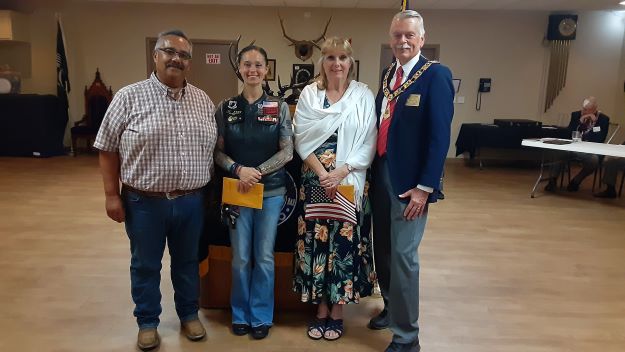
<point>260,332</point>
<point>240,329</point>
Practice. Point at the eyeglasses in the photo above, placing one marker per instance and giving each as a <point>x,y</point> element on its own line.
<point>183,55</point>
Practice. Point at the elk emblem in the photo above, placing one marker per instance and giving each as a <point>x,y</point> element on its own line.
<point>304,48</point>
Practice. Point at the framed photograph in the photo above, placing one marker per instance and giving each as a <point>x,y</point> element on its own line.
<point>303,72</point>
<point>271,70</point>
<point>357,70</point>
<point>456,82</point>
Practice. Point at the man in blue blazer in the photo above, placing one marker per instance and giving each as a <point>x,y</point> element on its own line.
<point>415,108</point>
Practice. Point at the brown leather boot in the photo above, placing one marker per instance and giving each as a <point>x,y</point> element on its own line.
<point>193,329</point>
<point>148,339</point>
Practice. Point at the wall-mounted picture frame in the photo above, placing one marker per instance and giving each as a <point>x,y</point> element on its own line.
<point>357,70</point>
<point>303,72</point>
<point>271,70</point>
<point>456,82</point>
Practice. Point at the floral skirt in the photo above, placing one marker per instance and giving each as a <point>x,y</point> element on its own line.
<point>333,260</point>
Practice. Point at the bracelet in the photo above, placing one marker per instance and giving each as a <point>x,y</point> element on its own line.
<point>233,168</point>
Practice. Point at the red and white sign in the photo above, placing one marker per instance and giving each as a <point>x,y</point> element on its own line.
<point>213,59</point>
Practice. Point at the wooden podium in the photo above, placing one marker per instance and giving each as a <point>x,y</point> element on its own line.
<point>215,284</point>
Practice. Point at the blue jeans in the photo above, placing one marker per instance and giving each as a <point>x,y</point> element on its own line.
<point>150,222</point>
<point>252,282</point>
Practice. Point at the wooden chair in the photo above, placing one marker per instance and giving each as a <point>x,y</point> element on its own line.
<point>97,100</point>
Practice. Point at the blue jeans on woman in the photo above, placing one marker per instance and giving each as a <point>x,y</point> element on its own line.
<point>150,222</point>
<point>252,242</point>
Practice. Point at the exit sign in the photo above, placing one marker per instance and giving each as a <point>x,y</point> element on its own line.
<point>213,59</point>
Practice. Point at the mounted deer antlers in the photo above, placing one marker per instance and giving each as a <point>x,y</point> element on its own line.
<point>304,48</point>
<point>292,85</point>
<point>233,61</point>
<point>295,90</point>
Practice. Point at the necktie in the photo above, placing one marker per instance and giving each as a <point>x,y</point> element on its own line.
<point>388,114</point>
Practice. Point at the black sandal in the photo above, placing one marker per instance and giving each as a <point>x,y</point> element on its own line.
<point>335,326</point>
<point>319,324</point>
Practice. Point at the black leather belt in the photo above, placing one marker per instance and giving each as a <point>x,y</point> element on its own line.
<point>169,195</point>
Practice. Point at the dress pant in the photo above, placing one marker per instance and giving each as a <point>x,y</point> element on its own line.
<point>150,223</point>
<point>589,165</point>
<point>612,165</point>
<point>395,244</point>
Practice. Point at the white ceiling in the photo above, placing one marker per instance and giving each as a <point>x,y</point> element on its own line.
<point>542,5</point>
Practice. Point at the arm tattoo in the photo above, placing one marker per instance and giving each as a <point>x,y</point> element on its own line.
<point>223,160</point>
<point>278,160</point>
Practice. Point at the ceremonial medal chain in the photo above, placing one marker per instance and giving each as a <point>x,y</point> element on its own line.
<point>390,96</point>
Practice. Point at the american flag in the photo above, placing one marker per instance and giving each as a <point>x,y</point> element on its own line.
<point>319,206</point>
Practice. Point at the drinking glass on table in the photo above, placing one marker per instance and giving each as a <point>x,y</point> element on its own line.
<point>576,136</point>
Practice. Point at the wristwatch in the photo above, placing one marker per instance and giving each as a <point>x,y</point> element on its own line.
<point>349,167</point>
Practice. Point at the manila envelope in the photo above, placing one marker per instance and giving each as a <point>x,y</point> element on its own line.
<point>252,199</point>
<point>347,191</point>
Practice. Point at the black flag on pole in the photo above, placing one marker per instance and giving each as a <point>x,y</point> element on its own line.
<point>62,76</point>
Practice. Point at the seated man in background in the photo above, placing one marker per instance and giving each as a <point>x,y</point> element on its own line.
<point>610,171</point>
<point>594,128</point>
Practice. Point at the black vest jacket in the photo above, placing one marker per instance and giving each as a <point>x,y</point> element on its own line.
<point>252,134</point>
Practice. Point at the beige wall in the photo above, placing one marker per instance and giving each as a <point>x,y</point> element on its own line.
<point>505,46</point>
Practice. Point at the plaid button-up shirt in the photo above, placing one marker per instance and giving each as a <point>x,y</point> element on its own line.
<point>164,144</point>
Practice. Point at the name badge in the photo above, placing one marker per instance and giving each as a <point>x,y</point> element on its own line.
<point>596,129</point>
<point>413,100</point>
<point>268,118</point>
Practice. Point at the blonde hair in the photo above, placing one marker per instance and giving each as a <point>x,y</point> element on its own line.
<point>340,44</point>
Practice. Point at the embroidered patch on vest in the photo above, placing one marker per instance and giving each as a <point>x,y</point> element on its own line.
<point>268,118</point>
<point>270,108</point>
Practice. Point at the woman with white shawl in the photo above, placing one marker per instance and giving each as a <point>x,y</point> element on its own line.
<point>335,135</point>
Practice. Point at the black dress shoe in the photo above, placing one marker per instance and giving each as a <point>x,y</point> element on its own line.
<point>573,187</point>
<point>240,329</point>
<point>550,187</point>
<point>608,193</point>
<point>404,347</point>
<point>260,332</point>
<point>380,321</point>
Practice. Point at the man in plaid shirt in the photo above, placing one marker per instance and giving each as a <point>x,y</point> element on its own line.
<point>157,138</point>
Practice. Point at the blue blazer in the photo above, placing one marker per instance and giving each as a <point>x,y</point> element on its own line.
<point>418,137</point>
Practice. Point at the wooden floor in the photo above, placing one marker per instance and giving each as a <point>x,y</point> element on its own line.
<point>500,271</point>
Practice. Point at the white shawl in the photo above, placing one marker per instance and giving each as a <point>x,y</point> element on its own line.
<point>354,117</point>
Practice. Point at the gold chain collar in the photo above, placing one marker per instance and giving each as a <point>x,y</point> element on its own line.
<point>387,92</point>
